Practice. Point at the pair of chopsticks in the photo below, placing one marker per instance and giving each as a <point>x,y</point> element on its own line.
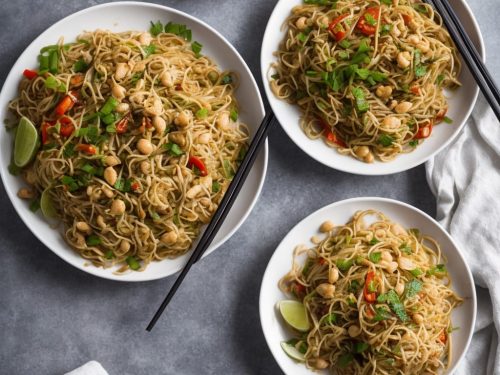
<point>222,211</point>
<point>469,53</point>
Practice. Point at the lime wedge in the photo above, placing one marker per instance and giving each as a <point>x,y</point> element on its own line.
<point>47,206</point>
<point>26,142</point>
<point>292,352</point>
<point>295,315</point>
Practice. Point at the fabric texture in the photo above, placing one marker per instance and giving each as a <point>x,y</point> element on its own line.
<point>90,368</point>
<point>465,178</point>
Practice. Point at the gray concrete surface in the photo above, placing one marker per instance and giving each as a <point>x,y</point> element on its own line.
<point>54,318</point>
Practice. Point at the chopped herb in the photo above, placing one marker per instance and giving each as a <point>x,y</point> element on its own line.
<point>173,149</point>
<point>360,347</point>
<point>385,140</point>
<point>54,84</point>
<point>227,79</point>
<point>109,106</point>
<point>156,28</point>
<point>370,19</point>
<point>416,272</point>
<point>111,128</point>
<point>420,71</point>
<point>196,47</point>
<point>386,2</point>
<point>133,263</point>
<point>374,241</point>
<point>178,29</point>
<point>345,43</point>
<point>135,78</point>
<point>345,360</point>
<point>412,288</point>
<point>420,8</point>
<point>386,28</point>
<point>202,113</point>
<point>275,76</point>
<point>330,319</point>
<point>80,66</point>
<point>123,185</point>
<point>439,269</point>
<point>405,249</point>
<point>149,50</point>
<point>364,46</point>
<point>344,264</point>
<point>241,154</point>
<point>155,216</point>
<point>311,73</point>
<point>215,187</point>
<point>70,183</point>
<point>447,120</point>
<point>413,143</point>
<point>93,240</point>
<point>89,168</point>
<point>375,257</point>
<point>234,115</point>
<point>344,55</point>
<point>354,286</point>
<point>34,205</point>
<point>440,79</point>
<point>392,299</point>
<point>302,37</point>
<point>228,169</point>
<point>14,169</point>
<point>361,103</point>
<point>381,313</point>
<point>109,254</point>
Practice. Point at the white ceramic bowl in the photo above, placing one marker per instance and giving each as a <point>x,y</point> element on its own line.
<point>273,326</point>
<point>123,16</point>
<point>461,103</point>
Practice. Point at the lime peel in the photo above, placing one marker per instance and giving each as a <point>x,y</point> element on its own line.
<point>292,352</point>
<point>47,206</point>
<point>294,313</point>
<point>26,142</point>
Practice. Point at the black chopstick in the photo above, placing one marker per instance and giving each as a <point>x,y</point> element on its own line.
<point>222,211</point>
<point>469,54</point>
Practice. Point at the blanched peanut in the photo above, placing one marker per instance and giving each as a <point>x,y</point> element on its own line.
<point>25,193</point>
<point>380,233</point>
<point>145,39</point>
<point>110,175</point>
<point>301,23</point>
<point>121,71</point>
<point>333,275</point>
<point>111,161</point>
<point>204,138</point>
<point>386,255</point>
<point>361,151</point>
<point>400,288</point>
<point>124,246</point>
<point>122,108</point>
<point>80,240</point>
<point>354,330</point>
<point>417,318</point>
<point>118,91</point>
<point>326,227</point>
<point>320,363</point>
<point>406,264</point>
<point>108,192</point>
<point>424,46</point>
<point>30,176</point>
<point>159,124</point>
<point>100,222</point>
<point>178,138</point>
<point>145,167</point>
<point>166,79</point>
<point>369,158</point>
<point>223,121</point>
<point>404,59</point>
<point>117,207</point>
<point>391,122</point>
<point>144,146</point>
<point>389,266</point>
<point>326,290</point>
<point>83,227</point>
<point>413,39</point>
<point>403,107</point>
<point>194,191</point>
<point>384,92</point>
<point>183,118</point>
<point>393,104</point>
<point>169,238</point>
<point>139,66</point>
<point>156,108</point>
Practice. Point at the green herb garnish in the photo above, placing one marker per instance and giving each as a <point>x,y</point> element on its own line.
<point>93,240</point>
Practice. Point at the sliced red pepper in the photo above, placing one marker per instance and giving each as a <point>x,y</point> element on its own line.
<point>44,129</point>
<point>442,337</point>
<point>337,29</point>
<point>135,186</point>
<point>406,18</point>
<point>424,131</point>
<point>370,297</point>
<point>67,127</point>
<point>322,261</point>
<point>363,24</point>
<point>441,115</point>
<point>76,80</point>
<point>198,163</point>
<point>178,87</point>
<point>122,125</point>
<point>370,314</point>
<point>66,103</point>
<point>30,74</point>
<point>298,290</point>
<point>415,89</point>
<point>88,149</point>
<point>329,135</point>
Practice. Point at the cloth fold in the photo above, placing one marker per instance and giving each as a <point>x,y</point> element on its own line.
<point>465,178</point>
<point>90,368</point>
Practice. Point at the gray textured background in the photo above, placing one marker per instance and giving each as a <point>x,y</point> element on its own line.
<point>54,318</point>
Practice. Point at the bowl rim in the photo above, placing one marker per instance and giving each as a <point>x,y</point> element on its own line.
<point>369,199</point>
<point>264,153</point>
<point>344,167</point>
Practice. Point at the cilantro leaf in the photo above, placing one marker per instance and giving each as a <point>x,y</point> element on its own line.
<point>412,288</point>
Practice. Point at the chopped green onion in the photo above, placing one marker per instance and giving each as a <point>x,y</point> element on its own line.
<point>440,79</point>
<point>416,272</point>
<point>381,313</point>
<point>234,115</point>
<point>439,269</point>
<point>345,360</point>
<point>330,319</point>
<point>228,169</point>
<point>405,249</point>
<point>215,187</point>
<point>302,37</point>
<point>386,28</point>
<point>447,120</point>
<point>311,73</point>
<point>123,185</point>
<point>385,140</point>
<point>173,149</point>
<point>354,286</point>
<point>374,241</point>
<point>413,143</point>
<point>133,263</point>
<point>202,113</point>
<point>109,106</point>
<point>109,254</point>
<point>344,264</point>
<point>156,28</point>
<point>360,347</point>
<point>93,240</point>
<point>370,19</point>
<point>35,205</point>
<point>361,103</point>
<point>227,79</point>
<point>53,61</point>
<point>375,257</point>
<point>345,43</point>
<point>420,71</point>
<point>392,299</point>
<point>412,288</point>
<point>196,47</point>
<point>80,66</point>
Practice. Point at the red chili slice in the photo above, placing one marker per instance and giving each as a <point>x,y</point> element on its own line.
<point>363,24</point>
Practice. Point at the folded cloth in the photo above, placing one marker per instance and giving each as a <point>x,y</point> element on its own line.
<point>90,368</point>
<point>465,178</point>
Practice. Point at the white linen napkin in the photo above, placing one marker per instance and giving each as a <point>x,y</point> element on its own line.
<point>90,368</point>
<point>465,178</point>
